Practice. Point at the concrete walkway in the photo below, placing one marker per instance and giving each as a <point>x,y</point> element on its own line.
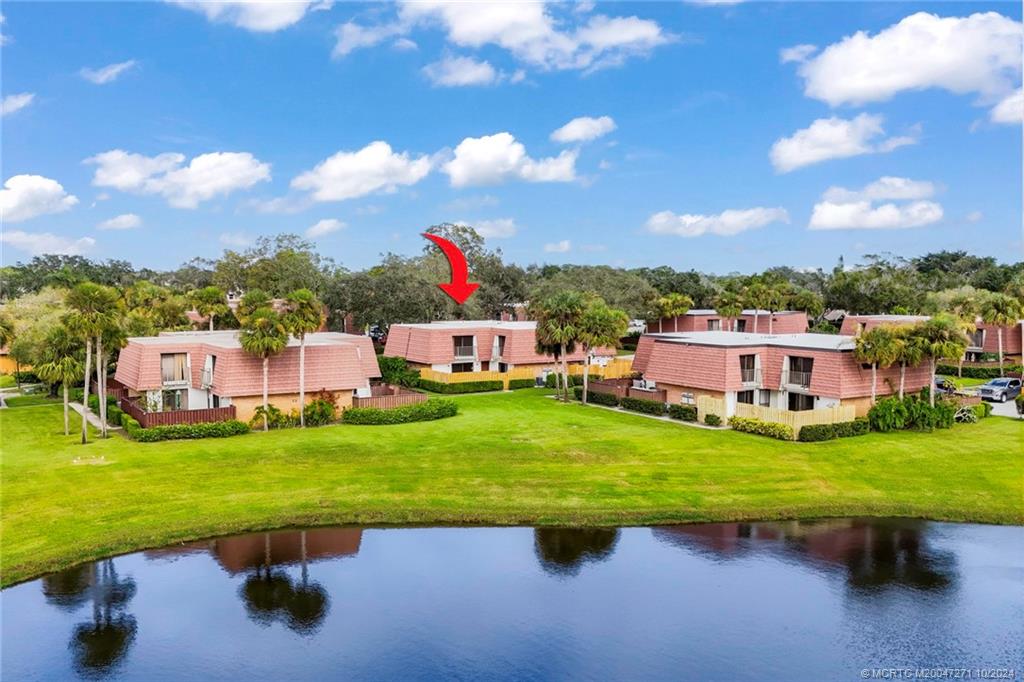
<point>92,418</point>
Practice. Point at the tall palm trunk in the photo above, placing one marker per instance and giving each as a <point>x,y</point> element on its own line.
<point>266,369</point>
<point>771,319</point>
<point>675,324</point>
<point>903,377</point>
<point>211,321</point>
<point>755,320</point>
<point>659,325</point>
<point>874,381</point>
<point>999,336</point>
<point>565,373</point>
<point>101,397</point>
<point>931,387</point>
<point>302,381</point>
<point>85,390</point>
<point>586,374</point>
<point>67,423</point>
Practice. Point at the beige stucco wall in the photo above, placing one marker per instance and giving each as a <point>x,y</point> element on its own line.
<point>673,393</point>
<point>861,405</point>
<point>245,406</point>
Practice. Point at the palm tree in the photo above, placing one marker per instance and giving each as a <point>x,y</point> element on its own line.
<point>673,305</point>
<point>304,316</point>
<point>92,310</point>
<point>806,301</point>
<point>909,351</point>
<point>878,347</point>
<point>942,337</point>
<point>61,364</point>
<point>210,302</point>
<point>756,296</point>
<point>730,307</point>
<point>264,335</point>
<point>1000,310</point>
<point>558,319</point>
<point>775,301</point>
<point>600,326</point>
<point>6,330</point>
<point>253,300</point>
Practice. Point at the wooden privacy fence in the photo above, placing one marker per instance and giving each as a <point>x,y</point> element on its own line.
<point>462,377</point>
<point>795,419</point>
<point>203,416</point>
<point>615,369</point>
<point>388,397</point>
<point>623,388</point>
<point>114,388</point>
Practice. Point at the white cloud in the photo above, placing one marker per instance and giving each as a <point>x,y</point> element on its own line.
<point>374,168</point>
<point>725,224</point>
<point>978,54</point>
<point>797,53</point>
<point>460,71</point>
<point>887,187</point>
<point>526,29</point>
<point>237,239</point>
<point>499,228</point>
<point>12,103</point>
<point>842,209</point>
<point>405,44</point>
<point>834,138</point>
<point>351,36</point>
<point>1011,109</point>
<point>37,243</point>
<point>28,196</point>
<point>205,177</point>
<point>259,16</point>
<point>324,227</point>
<point>558,247</point>
<point>106,74</point>
<point>584,129</point>
<point>493,159</point>
<point>4,38</point>
<point>125,221</point>
<point>974,217</point>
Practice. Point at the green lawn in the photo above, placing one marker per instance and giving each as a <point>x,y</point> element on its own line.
<point>508,458</point>
<point>30,400</point>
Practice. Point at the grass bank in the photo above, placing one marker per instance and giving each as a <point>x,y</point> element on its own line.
<point>509,458</point>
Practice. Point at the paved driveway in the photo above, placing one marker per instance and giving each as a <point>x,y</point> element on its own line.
<point>1007,409</point>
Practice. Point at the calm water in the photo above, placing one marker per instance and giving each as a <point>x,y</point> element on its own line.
<point>783,601</point>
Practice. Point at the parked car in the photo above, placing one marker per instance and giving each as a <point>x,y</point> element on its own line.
<point>944,385</point>
<point>1002,389</point>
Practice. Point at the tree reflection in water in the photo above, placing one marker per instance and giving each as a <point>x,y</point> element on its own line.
<point>270,595</point>
<point>875,554</point>
<point>96,646</point>
<point>564,551</point>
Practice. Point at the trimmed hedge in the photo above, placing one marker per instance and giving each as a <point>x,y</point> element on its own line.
<point>552,380</point>
<point>232,427</point>
<point>687,413</point>
<point>983,409</point>
<point>641,405</point>
<point>396,371</point>
<point>609,399</point>
<point>813,433</point>
<point>976,372</point>
<point>435,408</point>
<point>712,420</point>
<point>461,387</point>
<point>521,383</point>
<point>762,428</point>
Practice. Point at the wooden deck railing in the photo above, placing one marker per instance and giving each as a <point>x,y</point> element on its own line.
<point>114,388</point>
<point>398,398</point>
<point>202,416</point>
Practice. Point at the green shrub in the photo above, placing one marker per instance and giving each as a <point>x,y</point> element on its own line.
<point>888,414</point>
<point>223,429</point>
<point>513,384</point>
<point>554,380</point>
<point>976,372</point>
<point>396,371</point>
<point>762,428</point>
<point>94,401</point>
<point>688,413</point>
<point>983,410</point>
<point>435,408</point>
<point>642,405</point>
<point>813,433</point>
<point>913,412</point>
<point>7,381</point>
<point>609,399</point>
<point>114,415</point>
<point>712,420</point>
<point>25,377</point>
<point>276,419</point>
<point>319,411</point>
<point>461,387</point>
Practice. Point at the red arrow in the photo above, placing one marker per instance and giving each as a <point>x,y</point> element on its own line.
<point>460,288</point>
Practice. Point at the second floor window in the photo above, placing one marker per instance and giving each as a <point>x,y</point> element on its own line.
<point>747,373</point>
<point>714,325</point>
<point>741,325</point>
<point>978,338</point>
<point>800,371</point>
<point>501,346</point>
<point>463,346</point>
<point>174,367</point>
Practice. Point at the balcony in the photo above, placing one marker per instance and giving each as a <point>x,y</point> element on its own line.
<point>464,353</point>
<point>750,376</point>
<point>206,378</point>
<point>799,378</point>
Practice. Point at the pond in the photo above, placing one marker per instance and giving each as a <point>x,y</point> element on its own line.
<point>817,600</point>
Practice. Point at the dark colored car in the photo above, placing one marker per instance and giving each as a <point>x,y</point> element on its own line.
<point>1001,389</point>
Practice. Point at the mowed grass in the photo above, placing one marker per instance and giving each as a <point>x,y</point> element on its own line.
<point>507,458</point>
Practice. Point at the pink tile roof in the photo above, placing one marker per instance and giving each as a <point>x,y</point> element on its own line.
<point>433,343</point>
<point>333,361</point>
<point>710,361</point>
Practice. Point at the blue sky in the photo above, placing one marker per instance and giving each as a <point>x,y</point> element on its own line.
<point>155,132</point>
